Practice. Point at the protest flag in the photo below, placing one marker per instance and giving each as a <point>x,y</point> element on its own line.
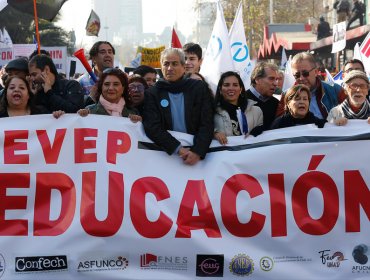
<point>175,41</point>
<point>365,46</point>
<point>3,4</point>
<point>93,24</point>
<point>289,79</point>
<point>45,9</point>
<point>5,40</point>
<point>338,78</point>
<point>136,62</point>
<point>283,59</point>
<point>329,78</point>
<point>217,58</point>
<point>358,53</point>
<point>239,48</point>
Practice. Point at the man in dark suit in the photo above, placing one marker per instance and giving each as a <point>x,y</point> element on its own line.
<point>264,81</point>
<point>179,104</point>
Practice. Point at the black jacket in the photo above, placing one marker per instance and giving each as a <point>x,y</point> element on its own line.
<point>198,109</point>
<point>65,95</point>
<point>287,120</point>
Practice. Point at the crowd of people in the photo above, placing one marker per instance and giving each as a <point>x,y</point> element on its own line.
<point>182,101</point>
<point>345,11</point>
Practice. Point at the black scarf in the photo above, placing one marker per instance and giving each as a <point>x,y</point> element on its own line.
<point>364,112</point>
<point>174,87</point>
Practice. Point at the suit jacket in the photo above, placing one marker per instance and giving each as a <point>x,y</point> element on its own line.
<point>198,103</point>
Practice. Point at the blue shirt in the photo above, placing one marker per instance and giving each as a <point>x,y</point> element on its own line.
<point>177,111</point>
<point>314,107</point>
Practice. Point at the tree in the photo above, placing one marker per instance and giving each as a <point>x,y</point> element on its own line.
<point>21,29</point>
<point>256,15</point>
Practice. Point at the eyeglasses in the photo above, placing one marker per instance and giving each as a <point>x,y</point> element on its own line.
<point>358,86</point>
<point>304,73</point>
<point>138,87</point>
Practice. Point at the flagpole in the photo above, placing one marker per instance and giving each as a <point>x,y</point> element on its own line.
<point>37,26</point>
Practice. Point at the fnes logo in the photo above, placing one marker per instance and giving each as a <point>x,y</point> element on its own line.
<point>210,266</point>
<point>150,261</point>
<point>40,264</point>
<point>2,265</point>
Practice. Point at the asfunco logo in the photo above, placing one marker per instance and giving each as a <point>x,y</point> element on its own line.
<point>41,263</point>
<point>2,265</point>
<point>118,263</point>
<point>360,255</point>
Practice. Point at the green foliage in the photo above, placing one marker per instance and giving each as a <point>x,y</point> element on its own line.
<point>256,15</point>
<point>21,28</point>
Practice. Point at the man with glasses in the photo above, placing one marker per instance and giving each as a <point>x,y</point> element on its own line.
<point>179,104</point>
<point>354,64</point>
<point>264,82</point>
<point>102,57</point>
<point>324,97</point>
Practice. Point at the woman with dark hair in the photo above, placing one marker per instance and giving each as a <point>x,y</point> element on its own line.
<point>235,114</point>
<point>17,99</point>
<point>112,96</point>
<point>297,104</point>
<point>136,88</point>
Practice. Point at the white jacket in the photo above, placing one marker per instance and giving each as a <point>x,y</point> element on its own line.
<point>253,114</point>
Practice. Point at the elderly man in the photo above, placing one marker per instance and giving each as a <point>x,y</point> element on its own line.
<point>179,104</point>
<point>324,97</point>
<point>102,57</point>
<point>264,82</point>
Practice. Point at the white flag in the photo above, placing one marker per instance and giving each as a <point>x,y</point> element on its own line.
<point>329,78</point>
<point>3,4</point>
<point>283,59</point>
<point>5,40</point>
<point>217,58</point>
<point>239,48</point>
<point>357,54</point>
<point>289,79</point>
<point>339,37</point>
<point>136,62</point>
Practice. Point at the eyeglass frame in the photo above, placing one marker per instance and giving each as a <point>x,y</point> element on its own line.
<point>357,86</point>
<point>304,73</point>
<point>139,87</point>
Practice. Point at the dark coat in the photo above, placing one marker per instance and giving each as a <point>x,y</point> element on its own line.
<point>198,109</point>
<point>65,95</point>
<point>287,120</point>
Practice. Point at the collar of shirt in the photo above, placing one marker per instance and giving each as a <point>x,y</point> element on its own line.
<point>258,95</point>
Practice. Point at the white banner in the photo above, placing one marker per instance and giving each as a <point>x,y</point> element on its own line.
<point>58,54</point>
<point>92,198</point>
<point>339,37</point>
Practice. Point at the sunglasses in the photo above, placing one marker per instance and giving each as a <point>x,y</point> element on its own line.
<point>304,73</point>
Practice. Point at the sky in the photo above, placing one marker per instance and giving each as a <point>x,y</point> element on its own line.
<point>157,14</point>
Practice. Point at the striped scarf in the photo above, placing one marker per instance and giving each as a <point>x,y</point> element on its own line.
<point>364,113</point>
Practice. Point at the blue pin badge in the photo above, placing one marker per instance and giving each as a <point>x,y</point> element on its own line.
<point>164,103</point>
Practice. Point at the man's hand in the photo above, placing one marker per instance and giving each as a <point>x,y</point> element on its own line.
<point>47,83</point>
<point>188,156</point>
